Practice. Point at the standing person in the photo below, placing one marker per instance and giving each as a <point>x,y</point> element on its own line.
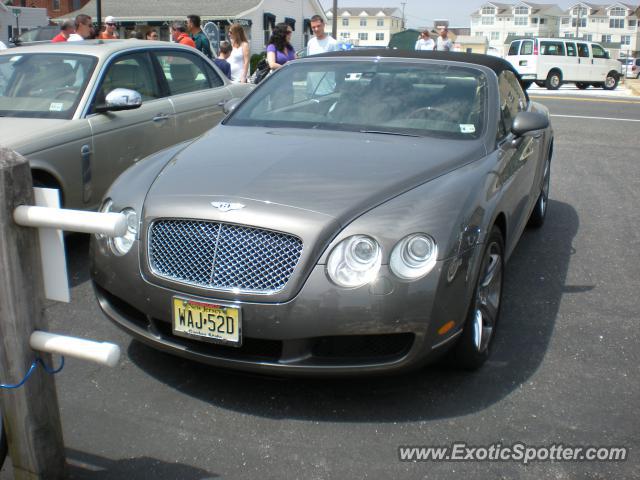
<point>179,34</point>
<point>279,50</point>
<point>425,42</point>
<point>221,61</point>
<point>109,32</point>
<point>66,29</point>
<point>239,58</point>
<point>321,42</point>
<point>151,35</point>
<point>84,28</point>
<point>198,36</point>
<point>444,44</point>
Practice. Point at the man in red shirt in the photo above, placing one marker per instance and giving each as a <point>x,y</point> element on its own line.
<point>179,34</point>
<point>66,29</point>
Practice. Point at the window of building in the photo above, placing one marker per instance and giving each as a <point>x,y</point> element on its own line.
<point>521,21</point>
<point>363,22</point>
<point>56,5</point>
<point>487,20</point>
<point>344,35</point>
<point>480,34</point>
<point>495,35</point>
<point>380,22</point>
<point>380,37</point>
<point>583,22</point>
<point>633,23</point>
<point>363,36</point>
<point>543,21</point>
<point>606,38</point>
<point>529,34</point>
<point>588,37</point>
<point>76,5</point>
<point>565,20</point>
<point>345,22</point>
<point>534,21</point>
<point>579,11</point>
<point>617,12</point>
<point>568,35</point>
<point>625,39</point>
<point>488,11</point>
<point>521,11</point>
<point>616,23</point>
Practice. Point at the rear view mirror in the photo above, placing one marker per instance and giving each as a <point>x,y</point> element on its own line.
<point>230,105</point>
<point>526,122</point>
<point>120,99</point>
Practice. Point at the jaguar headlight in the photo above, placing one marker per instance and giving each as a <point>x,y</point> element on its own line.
<point>414,256</point>
<point>122,245</point>
<point>355,261</point>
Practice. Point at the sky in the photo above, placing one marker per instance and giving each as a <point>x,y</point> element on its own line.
<point>419,13</point>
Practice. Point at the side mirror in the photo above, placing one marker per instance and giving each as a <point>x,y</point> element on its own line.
<point>526,122</point>
<point>120,99</point>
<point>230,105</point>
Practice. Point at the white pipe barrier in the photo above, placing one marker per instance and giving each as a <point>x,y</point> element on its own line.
<point>110,224</point>
<point>103,353</point>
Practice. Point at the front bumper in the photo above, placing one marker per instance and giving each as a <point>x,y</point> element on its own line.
<point>324,330</point>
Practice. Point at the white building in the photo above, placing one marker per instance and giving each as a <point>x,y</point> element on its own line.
<point>258,17</point>
<point>608,24</point>
<point>366,26</point>
<point>497,21</point>
<point>17,20</point>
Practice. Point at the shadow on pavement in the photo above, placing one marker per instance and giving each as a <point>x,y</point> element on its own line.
<point>81,465</point>
<point>534,287</point>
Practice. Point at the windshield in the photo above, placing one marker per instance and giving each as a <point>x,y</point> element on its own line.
<point>421,99</point>
<point>39,85</point>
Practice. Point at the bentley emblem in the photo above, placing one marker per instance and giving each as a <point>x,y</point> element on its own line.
<point>226,206</point>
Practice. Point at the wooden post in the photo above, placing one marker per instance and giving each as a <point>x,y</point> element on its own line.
<point>31,414</point>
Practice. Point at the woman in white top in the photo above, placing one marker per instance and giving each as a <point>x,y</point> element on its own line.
<point>239,58</point>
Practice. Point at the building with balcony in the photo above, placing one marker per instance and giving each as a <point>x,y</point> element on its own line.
<point>497,21</point>
<point>365,26</point>
<point>610,24</point>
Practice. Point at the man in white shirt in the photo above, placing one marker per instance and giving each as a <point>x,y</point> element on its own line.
<point>425,42</point>
<point>84,28</point>
<point>321,42</point>
<point>444,44</point>
<point>319,83</point>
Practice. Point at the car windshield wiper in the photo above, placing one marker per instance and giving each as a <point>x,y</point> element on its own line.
<point>382,132</point>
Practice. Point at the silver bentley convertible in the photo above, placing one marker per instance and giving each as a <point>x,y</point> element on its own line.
<point>353,214</point>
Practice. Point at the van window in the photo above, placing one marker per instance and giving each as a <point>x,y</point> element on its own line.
<point>598,51</point>
<point>526,48</point>
<point>571,49</point>
<point>551,48</point>
<point>513,49</point>
<point>583,50</point>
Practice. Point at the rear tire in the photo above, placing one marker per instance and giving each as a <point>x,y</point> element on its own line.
<point>554,80</point>
<point>472,350</point>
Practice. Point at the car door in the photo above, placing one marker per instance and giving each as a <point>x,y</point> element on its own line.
<point>585,70</point>
<point>601,64</point>
<point>196,90</point>
<point>519,158</point>
<point>572,61</point>
<point>122,138</point>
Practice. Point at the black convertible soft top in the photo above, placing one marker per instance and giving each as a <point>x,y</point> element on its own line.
<point>496,64</point>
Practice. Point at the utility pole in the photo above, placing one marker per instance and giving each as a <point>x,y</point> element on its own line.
<point>578,20</point>
<point>403,23</point>
<point>99,15</point>
<point>334,24</point>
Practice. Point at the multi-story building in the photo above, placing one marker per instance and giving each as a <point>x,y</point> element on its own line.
<point>497,21</point>
<point>366,26</point>
<point>55,8</point>
<point>615,23</point>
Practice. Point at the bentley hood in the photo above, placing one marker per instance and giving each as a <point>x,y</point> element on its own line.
<point>337,174</point>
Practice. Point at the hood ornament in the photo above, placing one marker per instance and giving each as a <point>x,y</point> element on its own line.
<point>226,206</point>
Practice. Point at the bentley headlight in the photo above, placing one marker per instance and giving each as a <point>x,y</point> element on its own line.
<point>122,245</point>
<point>355,261</point>
<point>414,256</point>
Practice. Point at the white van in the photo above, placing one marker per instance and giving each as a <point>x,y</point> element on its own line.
<point>550,62</point>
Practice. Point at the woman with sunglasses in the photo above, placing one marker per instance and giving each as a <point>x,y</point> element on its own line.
<point>279,50</point>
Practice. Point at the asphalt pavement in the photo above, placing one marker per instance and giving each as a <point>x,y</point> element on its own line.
<point>564,369</point>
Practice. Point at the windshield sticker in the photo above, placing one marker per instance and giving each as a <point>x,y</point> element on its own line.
<point>467,128</point>
<point>56,107</point>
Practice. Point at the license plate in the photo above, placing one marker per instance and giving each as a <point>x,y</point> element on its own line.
<point>207,321</point>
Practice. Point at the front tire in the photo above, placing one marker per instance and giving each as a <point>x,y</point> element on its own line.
<point>536,220</point>
<point>611,82</point>
<point>472,350</point>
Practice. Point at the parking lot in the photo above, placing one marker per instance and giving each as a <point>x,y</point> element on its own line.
<point>564,368</point>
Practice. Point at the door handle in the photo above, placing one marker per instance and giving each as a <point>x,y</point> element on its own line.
<point>161,117</point>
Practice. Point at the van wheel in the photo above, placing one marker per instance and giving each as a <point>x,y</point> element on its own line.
<point>554,80</point>
<point>611,82</point>
<point>582,86</point>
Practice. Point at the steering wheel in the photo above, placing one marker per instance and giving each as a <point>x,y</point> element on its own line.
<point>437,112</point>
